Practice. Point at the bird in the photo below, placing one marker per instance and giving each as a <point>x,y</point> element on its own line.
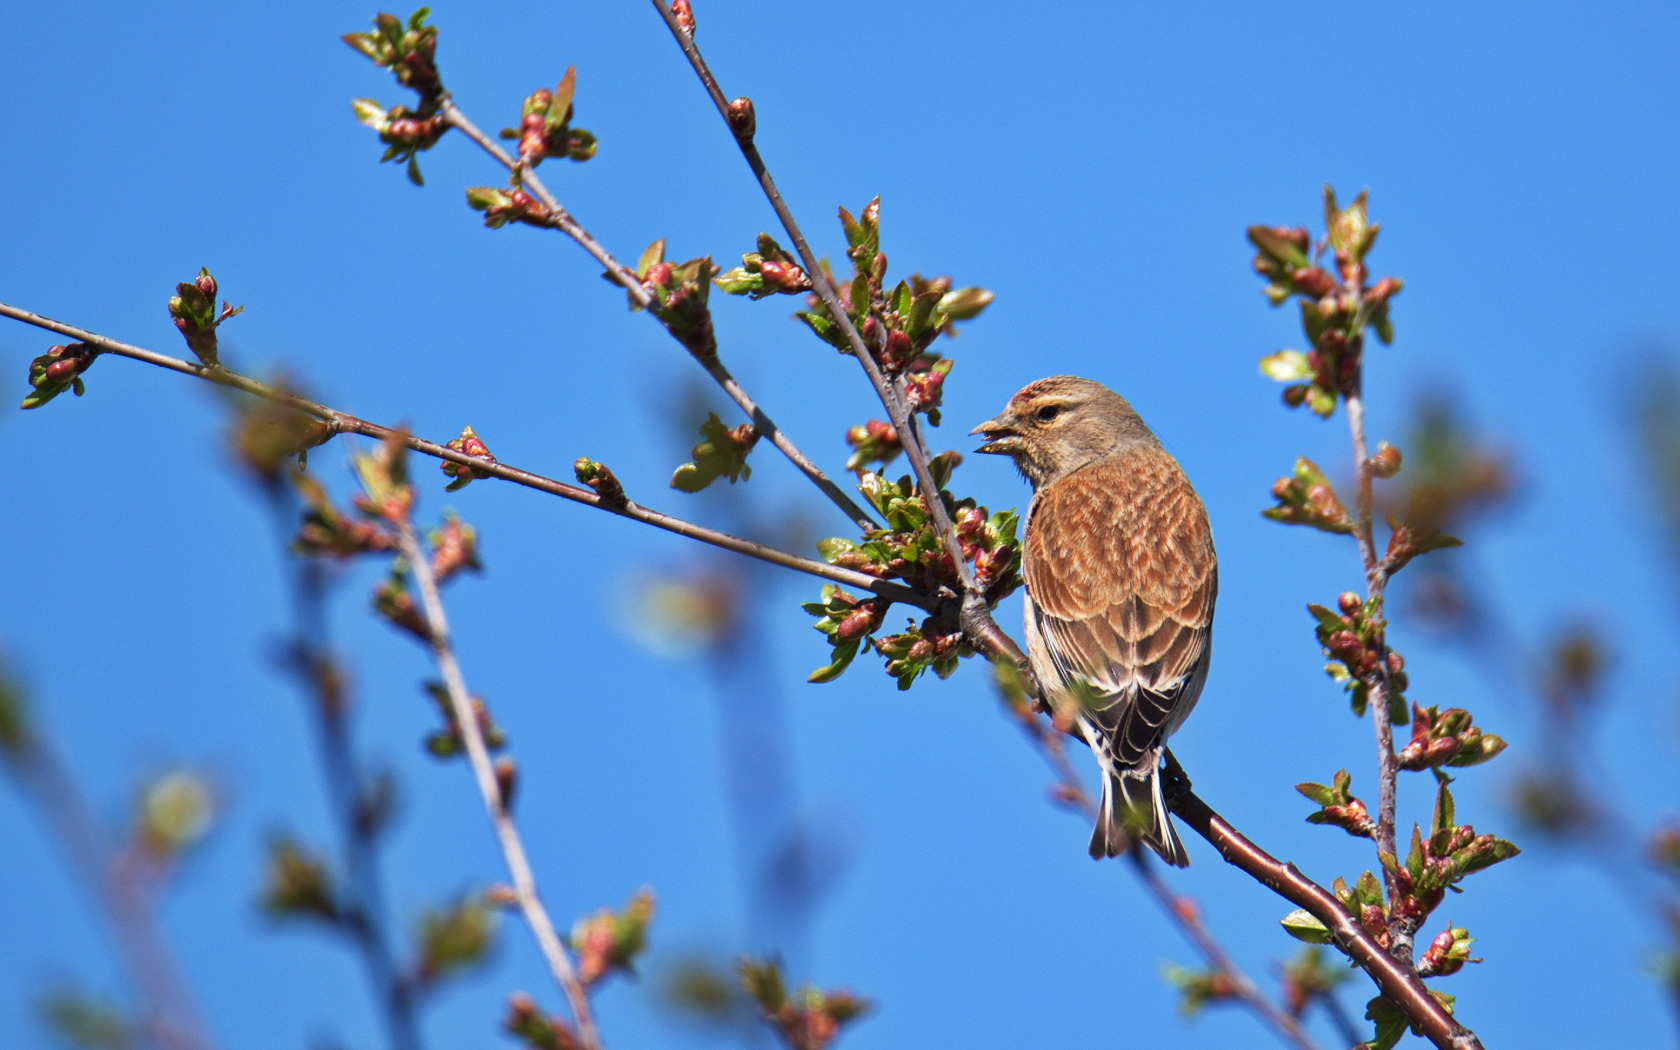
<point>1121,579</point>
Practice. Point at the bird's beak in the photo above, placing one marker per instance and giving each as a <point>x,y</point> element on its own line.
<point>1002,439</point>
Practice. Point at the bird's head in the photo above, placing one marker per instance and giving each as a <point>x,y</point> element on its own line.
<point>1055,426</point>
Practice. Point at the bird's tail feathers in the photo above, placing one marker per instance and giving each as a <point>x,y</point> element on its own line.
<point>1135,810</point>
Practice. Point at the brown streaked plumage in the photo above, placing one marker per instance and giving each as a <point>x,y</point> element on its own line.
<point>1121,581</point>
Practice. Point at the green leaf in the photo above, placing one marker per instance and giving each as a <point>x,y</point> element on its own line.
<point>844,653</point>
<point>964,304</point>
<point>414,170</point>
<point>739,282</point>
<point>1286,366</point>
<point>1390,1022</point>
<point>833,547</point>
<point>1303,926</point>
<point>560,108</point>
<point>654,253</point>
<point>369,112</point>
<point>1320,793</point>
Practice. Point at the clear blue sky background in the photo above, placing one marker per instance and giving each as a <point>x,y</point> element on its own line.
<point>1095,165</point>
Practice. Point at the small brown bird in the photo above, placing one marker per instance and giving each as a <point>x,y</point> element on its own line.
<point>1121,580</point>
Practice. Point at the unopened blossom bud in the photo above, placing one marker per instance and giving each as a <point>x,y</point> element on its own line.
<point>1396,663</point>
<point>899,351</point>
<point>1313,281</point>
<point>742,120</point>
<point>684,14</point>
<point>1332,341</point>
<point>1295,396</point>
<point>658,275</point>
<point>206,284</point>
<point>533,143</point>
<point>1349,602</point>
<point>507,780</point>
<point>1382,291</point>
<point>1385,463</point>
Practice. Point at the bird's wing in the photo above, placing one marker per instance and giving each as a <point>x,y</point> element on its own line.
<point>1122,577</point>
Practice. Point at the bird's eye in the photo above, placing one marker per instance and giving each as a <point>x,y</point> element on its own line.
<point>1047,413</point>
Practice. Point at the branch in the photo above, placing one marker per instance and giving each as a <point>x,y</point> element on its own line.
<point>1183,912</point>
<point>975,617</point>
<point>320,678</point>
<point>560,219</point>
<point>170,1019</point>
<point>1376,579</point>
<point>507,835</point>
<point>344,423</point>
<point>1395,979</point>
<point>1070,791</point>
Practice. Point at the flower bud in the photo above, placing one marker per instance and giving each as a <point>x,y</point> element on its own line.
<point>684,14</point>
<point>1386,462</point>
<point>1313,281</point>
<point>1295,396</point>
<point>742,120</point>
<point>1349,603</point>
<point>206,284</point>
<point>658,275</point>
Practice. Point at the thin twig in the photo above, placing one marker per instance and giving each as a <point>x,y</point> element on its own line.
<point>975,616</point>
<point>1070,792</point>
<point>1388,767</point>
<point>311,662</point>
<point>507,834</point>
<point>343,422</point>
<point>169,1018</point>
<point>1183,912</point>
<point>559,218</point>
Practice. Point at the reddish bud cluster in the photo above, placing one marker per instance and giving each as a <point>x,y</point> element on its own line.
<point>807,1020</point>
<point>1446,738</point>
<point>609,941</point>
<point>936,644</point>
<point>406,49</point>
<point>396,606</point>
<point>328,531</point>
<point>448,741</point>
<point>1354,640</point>
<point>1338,807</point>
<point>454,547</point>
<point>193,309</point>
<point>545,125</point>
<point>1307,498</point>
<point>1335,308</point>
<point>535,1029</point>
<point>502,206</point>
<point>598,477</point>
<point>874,443</point>
<point>1447,953</point>
<point>58,370</point>
<point>467,444</point>
<point>1437,862</point>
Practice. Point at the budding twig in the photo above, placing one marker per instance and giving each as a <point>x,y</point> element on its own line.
<point>489,788</point>
<point>560,219</point>
<point>344,423</point>
<point>975,618</point>
<point>1396,980</point>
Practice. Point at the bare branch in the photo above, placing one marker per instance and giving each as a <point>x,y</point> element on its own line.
<point>484,773</point>
<point>560,219</point>
<point>345,423</point>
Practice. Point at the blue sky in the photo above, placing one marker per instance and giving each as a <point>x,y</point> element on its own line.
<point>1094,165</point>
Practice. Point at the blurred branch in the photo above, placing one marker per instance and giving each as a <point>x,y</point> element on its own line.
<point>975,615</point>
<point>344,423</point>
<point>359,816</point>
<point>489,787</point>
<point>1182,910</point>
<point>169,1019</point>
<point>560,219</point>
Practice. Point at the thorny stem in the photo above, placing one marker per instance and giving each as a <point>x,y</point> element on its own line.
<point>975,616</point>
<point>113,877</point>
<point>1395,979</point>
<point>345,423</point>
<point>1182,910</point>
<point>507,834</point>
<point>1070,791</point>
<point>1400,936</point>
<point>560,219</point>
